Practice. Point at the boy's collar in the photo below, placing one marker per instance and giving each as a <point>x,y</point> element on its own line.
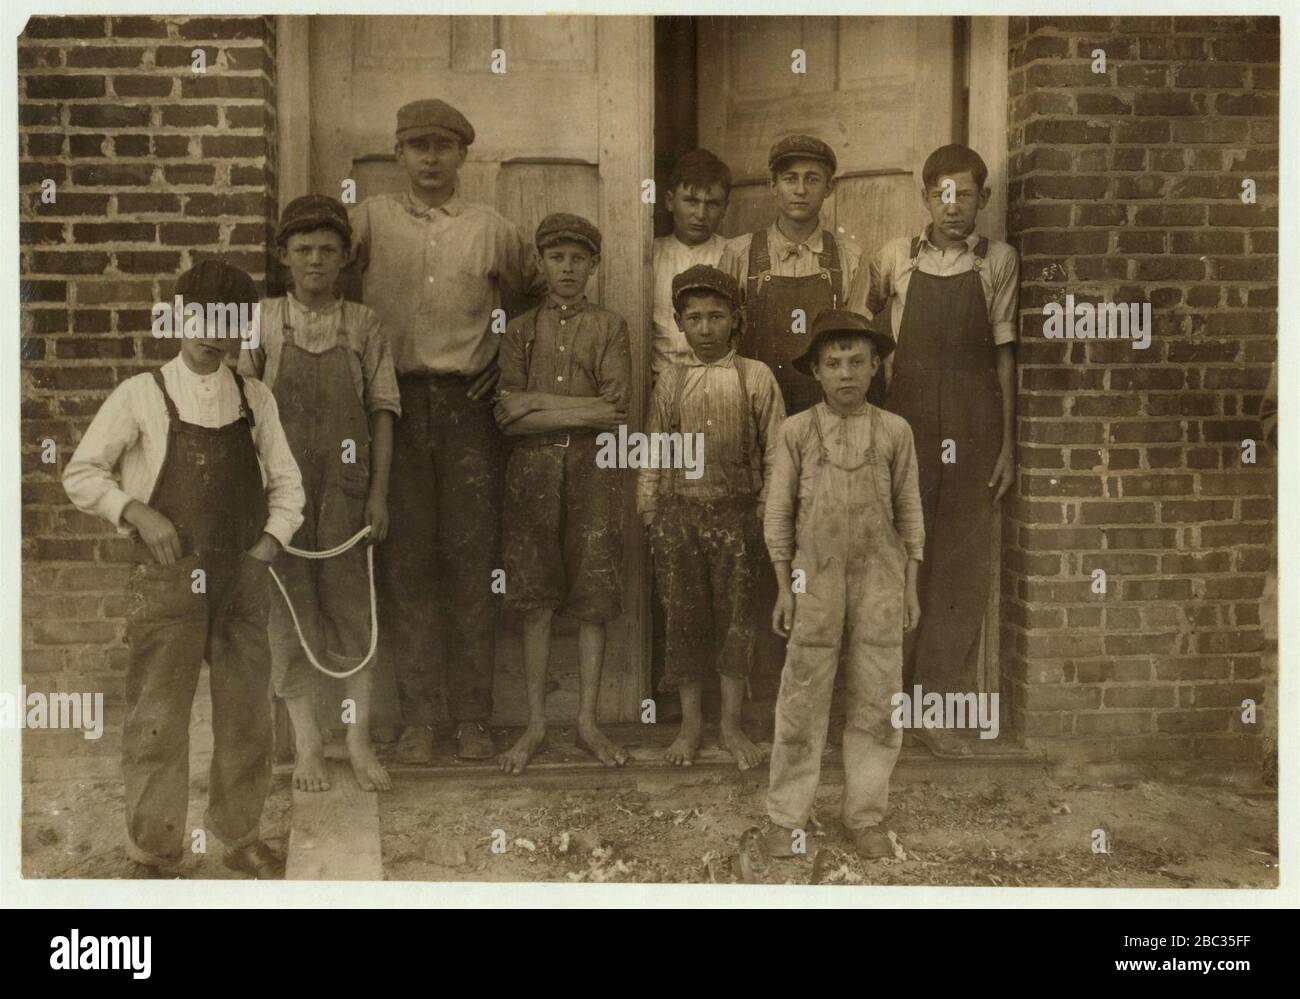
<point>335,304</point>
<point>829,413</point>
<point>693,246</point>
<point>788,247</point>
<point>970,240</point>
<point>726,361</point>
<point>453,206</point>
<point>569,308</point>
<point>188,372</point>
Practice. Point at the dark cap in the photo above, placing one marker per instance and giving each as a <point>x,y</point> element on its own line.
<point>313,211</point>
<point>702,276</point>
<point>561,225</point>
<point>215,282</point>
<point>433,117</point>
<point>832,321</point>
<point>803,146</point>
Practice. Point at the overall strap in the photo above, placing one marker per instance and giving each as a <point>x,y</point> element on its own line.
<point>244,408</point>
<point>167,399</point>
<point>815,427</point>
<point>915,250</point>
<point>746,414</point>
<point>675,419</point>
<point>760,262</point>
<point>829,260</point>
<point>981,251</point>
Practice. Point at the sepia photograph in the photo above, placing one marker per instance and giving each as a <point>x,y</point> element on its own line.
<point>725,449</point>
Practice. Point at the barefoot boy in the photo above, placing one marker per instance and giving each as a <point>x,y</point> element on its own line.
<point>698,190</point>
<point>793,264</point>
<point>844,529</point>
<point>951,296</point>
<point>191,460</point>
<point>327,362</point>
<point>706,531</point>
<point>564,377</point>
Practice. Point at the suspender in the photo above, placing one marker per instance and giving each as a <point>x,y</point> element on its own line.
<point>747,423</point>
<point>981,251</point>
<point>760,263</point>
<point>245,410</point>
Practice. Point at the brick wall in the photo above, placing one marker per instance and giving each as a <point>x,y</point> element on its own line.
<point>156,167</point>
<point>1126,186</point>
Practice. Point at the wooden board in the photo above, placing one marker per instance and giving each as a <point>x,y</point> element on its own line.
<point>335,833</point>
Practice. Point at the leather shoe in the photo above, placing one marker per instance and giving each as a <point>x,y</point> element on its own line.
<point>256,859</point>
<point>474,742</point>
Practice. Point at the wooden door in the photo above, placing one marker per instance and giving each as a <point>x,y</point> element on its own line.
<point>883,91</point>
<point>880,90</point>
<point>566,127</point>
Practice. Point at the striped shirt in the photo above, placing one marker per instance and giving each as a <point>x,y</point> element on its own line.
<point>795,468</point>
<point>711,405</point>
<point>885,279</point>
<point>348,323</point>
<point>121,453</point>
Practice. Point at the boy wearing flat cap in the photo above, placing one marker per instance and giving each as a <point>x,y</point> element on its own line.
<point>328,363</point>
<point>190,459</point>
<point>793,264</point>
<point>706,531</point>
<point>565,368</point>
<point>435,269</point>
<point>844,529</point>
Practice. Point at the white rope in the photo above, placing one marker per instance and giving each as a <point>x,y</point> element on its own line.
<point>374,611</point>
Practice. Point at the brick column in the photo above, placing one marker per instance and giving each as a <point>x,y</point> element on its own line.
<point>155,167</point>
<point>1125,186</point>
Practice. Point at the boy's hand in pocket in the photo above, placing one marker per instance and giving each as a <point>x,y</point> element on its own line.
<point>156,531</point>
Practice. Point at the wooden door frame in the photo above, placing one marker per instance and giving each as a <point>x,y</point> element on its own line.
<point>625,72</point>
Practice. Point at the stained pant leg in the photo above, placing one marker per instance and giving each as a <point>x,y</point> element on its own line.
<point>874,674</point>
<point>291,673</point>
<point>410,588</point>
<point>468,479</point>
<point>531,550</point>
<point>681,575</point>
<point>804,701</point>
<point>736,557</point>
<point>343,582</point>
<point>166,629</point>
<point>239,660</point>
<point>593,535</point>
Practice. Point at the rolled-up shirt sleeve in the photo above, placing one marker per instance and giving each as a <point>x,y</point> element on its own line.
<point>908,519</point>
<point>782,495</point>
<point>284,493</point>
<point>90,478</point>
<point>1005,273</point>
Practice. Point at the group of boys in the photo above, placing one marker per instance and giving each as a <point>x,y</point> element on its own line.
<point>389,418</point>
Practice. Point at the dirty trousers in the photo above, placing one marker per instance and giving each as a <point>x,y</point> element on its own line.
<point>563,544</point>
<point>438,614</point>
<point>709,559</point>
<point>873,674</point>
<point>172,631</point>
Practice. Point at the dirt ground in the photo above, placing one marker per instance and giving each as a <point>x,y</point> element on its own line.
<point>1038,834</point>
<point>988,832</point>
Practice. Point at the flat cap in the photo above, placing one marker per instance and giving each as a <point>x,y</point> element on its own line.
<point>215,282</point>
<point>561,225</point>
<point>313,211</point>
<point>806,146</point>
<point>832,321</point>
<point>433,117</point>
<point>702,276</point>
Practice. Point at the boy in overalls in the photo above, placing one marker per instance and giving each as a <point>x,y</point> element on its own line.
<point>843,527</point>
<point>327,361</point>
<point>793,264</point>
<point>706,532</point>
<point>951,295</point>
<point>191,459</point>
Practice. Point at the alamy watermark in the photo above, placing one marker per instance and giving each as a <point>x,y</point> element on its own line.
<point>60,709</point>
<point>654,450</point>
<point>1103,321</point>
<point>950,710</point>
<point>212,320</point>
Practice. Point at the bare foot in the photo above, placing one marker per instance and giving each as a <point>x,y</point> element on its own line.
<point>735,742</point>
<point>682,752</point>
<point>515,759</point>
<point>943,744</point>
<point>594,741</point>
<point>309,769</point>
<point>370,773</point>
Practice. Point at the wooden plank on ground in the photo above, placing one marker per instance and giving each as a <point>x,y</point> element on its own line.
<point>335,833</point>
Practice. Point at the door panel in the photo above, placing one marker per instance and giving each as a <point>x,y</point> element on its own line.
<point>567,127</point>
<point>878,89</point>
